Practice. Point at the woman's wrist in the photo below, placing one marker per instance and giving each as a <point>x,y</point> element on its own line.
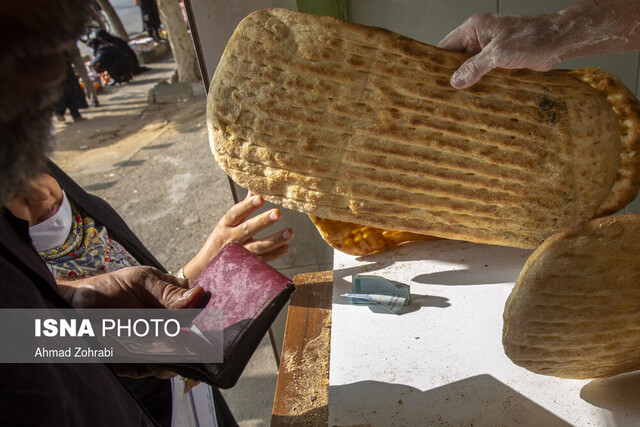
<point>194,267</point>
<point>191,270</point>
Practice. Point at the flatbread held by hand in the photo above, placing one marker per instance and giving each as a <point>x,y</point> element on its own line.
<point>361,125</point>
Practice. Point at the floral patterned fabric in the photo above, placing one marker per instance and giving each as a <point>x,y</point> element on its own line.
<point>87,251</point>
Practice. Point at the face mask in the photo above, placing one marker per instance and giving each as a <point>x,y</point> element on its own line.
<point>53,232</point>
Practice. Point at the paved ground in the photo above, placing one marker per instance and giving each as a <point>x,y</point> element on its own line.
<point>154,166</point>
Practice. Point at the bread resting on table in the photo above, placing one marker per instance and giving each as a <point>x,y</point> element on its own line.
<point>361,125</point>
<point>575,309</point>
<point>361,240</point>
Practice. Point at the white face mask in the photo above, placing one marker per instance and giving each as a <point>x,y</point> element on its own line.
<point>53,232</point>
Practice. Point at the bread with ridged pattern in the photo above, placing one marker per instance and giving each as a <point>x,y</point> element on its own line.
<point>361,240</point>
<point>361,125</point>
<point>575,309</point>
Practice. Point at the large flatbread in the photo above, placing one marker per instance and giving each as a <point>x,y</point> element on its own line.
<point>361,125</point>
<point>575,309</point>
<point>355,239</point>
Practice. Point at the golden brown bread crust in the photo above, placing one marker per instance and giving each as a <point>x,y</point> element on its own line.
<point>360,125</point>
<point>575,309</point>
<point>361,240</point>
<point>627,108</point>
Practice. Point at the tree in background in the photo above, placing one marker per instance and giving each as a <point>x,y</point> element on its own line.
<point>180,40</point>
<point>114,19</point>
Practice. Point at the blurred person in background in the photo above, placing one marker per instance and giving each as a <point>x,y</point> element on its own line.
<point>150,17</point>
<point>112,59</point>
<point>78,64</point>
<point>124,46</point>
<point>72,98</point>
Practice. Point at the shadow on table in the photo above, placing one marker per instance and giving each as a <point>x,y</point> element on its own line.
<point>472,264</point>
<point>481,400</point>
<point>483,265</point>
<point>417,302</point>
<point>343,286</point>
<point>461,263</point>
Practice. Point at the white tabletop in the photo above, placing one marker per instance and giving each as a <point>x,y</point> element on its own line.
<point>441,361</point>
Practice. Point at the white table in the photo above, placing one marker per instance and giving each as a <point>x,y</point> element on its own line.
<point>441,362</point>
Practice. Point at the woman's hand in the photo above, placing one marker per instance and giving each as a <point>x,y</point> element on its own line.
<point>134,287</point>
<point>236,226</point>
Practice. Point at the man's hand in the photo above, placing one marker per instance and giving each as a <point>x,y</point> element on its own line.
<point>132,287</point>
<point>585,28</point>
<point>502,41</point>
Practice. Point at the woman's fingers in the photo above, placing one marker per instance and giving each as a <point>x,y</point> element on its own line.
<point>275,242</point>
<point>241,210</point>
<point>243,229</point>
<point>252,226</point>
<point>279,252</point>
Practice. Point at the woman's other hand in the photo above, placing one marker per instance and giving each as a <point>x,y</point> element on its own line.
<point>236,226</point>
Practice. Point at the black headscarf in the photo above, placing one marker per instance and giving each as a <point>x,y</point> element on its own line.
<point>110,58</point>
<point>110,38</point>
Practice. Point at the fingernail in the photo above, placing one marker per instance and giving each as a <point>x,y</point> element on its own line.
<point>457,80</point>
<point>274,215</point>
<point>256,201</point>
<point>191,292</point>
<point>286,234</point>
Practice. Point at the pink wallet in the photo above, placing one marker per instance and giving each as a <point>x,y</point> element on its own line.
<point>250,294</point>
